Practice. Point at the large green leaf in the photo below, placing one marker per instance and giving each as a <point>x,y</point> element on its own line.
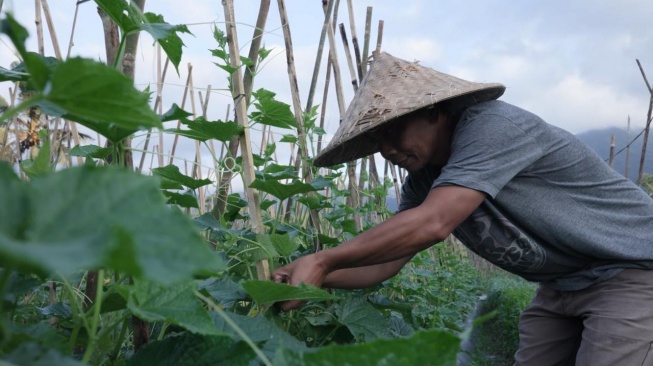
<point>259,330</point>
<point>284,244</point>
<point>172,172</point>
<point>224,290</point>
<point>166,35</point>
<point>33,62</point>
<point>188,349</point>
<point>433,348</point>
<point>14,208</point>
<point>174,113</point>
<point>90,217</point>
<point>186,199</point>
<point>89,91</point>
<point>265,292</point>
<point>280,190</point>
<point>272,112</point>
<point>36,355</point>
<point>362,319</point>
<point>126,17</point>
<point>175,304</point>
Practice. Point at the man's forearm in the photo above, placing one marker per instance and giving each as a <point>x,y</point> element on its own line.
<point>363,277</point>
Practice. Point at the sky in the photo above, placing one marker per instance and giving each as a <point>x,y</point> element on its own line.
<point>571,62</point>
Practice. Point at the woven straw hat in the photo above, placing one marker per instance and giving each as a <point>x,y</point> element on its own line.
<point>392,88</point>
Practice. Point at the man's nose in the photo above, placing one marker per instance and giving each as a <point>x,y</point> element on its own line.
<point>387,148</point>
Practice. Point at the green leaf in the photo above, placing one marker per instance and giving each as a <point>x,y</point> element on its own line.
<point>264,292</point>
<point>278,172</point>
<point>174,113</point>
<point>126,17</point>
<point>315,203</point>
<point>36,355</point>
<point>94,222</point>
<point>90,151</point>
<point>13,75</point>
<point>224,290</point>
<point>58,309</point>
<point>186,199</point>
<point>362,319</point>
<point>222,131</point>
<point>16,33</point>
<point>99,97</point>
<point>259,330</point>
<point>15,203</point>
<point>263,248</point>
<point>194,350</point>
<point>41,165</point>
<point>176,304</point>
<point>272,112</point>
<point>280,190</point>
<point>433,348</point>
<point>289,138</point>
<point>33,62</point>
<point>166,35</point>
<point>172,172</point>
<point>284,244</point>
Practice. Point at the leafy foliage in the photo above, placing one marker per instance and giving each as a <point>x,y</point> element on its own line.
<point>192,281</point>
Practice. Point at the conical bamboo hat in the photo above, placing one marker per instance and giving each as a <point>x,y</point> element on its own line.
<point>392,88</point>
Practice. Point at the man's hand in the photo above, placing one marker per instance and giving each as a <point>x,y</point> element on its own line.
<point>308,270</point>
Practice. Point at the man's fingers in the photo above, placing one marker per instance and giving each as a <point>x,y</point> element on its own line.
<point>280,278</point>
<point>291,305</point>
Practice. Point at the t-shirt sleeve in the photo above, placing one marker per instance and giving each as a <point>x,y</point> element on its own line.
<point>488,150</point>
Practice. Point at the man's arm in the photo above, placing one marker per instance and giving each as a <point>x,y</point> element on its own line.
<point>406,233</point>
<point>401,236</point>
<point>362,277</point>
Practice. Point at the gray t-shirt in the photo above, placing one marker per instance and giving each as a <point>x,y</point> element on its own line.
<point>556,213</point>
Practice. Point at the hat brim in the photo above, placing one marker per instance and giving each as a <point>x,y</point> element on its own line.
<point>394,88</point>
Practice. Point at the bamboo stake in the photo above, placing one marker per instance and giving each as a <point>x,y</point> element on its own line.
<point>366,44</point>
<point>72,32</point>
<point>612,143</point>
<point>318,58</point>
<point>39,27</point>
<point>627,148</point>
<point>197,165</point>
<point>240,104</point>
<point>642,158</point>
<point>350,62</point>
<point>57,51</point>
<point>159,93</point>
<point>51,29</point>
<point>161,78</point>
<point>183,104</point>
<point>354,199</point>
<point>225,179</point>
<point>292,75</point>
<point>354,39</point>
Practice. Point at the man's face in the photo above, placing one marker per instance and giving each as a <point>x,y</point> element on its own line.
<point>415,141</point>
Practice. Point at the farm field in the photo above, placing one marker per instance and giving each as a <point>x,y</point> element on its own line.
<point>118,249</point>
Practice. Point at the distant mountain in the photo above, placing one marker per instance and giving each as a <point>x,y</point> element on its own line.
<point>599,141</point>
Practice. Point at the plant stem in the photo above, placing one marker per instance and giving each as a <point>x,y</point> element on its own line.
<point>121,337</point>
<point>235,327</point>
<point>97,304</point>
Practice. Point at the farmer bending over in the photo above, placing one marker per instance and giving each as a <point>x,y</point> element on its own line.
<point>525,195</point>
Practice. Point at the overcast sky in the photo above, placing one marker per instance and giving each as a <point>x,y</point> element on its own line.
<point>571,62</point>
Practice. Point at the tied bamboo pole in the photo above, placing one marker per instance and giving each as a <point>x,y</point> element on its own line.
<point>301,131</point>
<point>354,198</point>
<point>240,104</point>
<point>642,158</point>
<point>225,178</point>
<point>627,148</point>
<point>612,143</point>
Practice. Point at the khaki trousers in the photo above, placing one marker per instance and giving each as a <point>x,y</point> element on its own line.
<point>610,323</point>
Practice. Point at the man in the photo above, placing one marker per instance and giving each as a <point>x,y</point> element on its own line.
<point>525,195</point>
